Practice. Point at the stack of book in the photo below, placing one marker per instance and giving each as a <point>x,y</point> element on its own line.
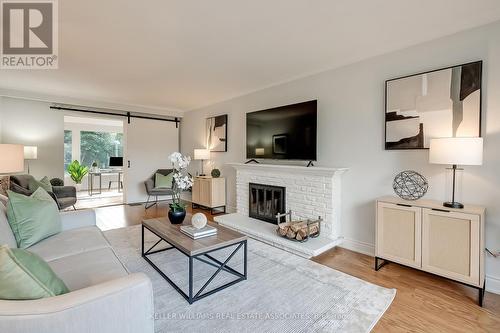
<point>198,233</point>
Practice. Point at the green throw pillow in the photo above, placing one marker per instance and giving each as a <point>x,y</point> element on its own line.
<point>162,181</point>
<point>44,183</point>
<point>33,218</point>
<point>24,275</point>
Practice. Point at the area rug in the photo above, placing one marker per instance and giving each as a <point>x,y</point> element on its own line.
<point>283,292</point>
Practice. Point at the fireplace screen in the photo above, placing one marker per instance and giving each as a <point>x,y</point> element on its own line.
<point>266,202</point>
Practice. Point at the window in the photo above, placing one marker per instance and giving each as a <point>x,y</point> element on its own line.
<point>99,146</point>
<point>68,142</point>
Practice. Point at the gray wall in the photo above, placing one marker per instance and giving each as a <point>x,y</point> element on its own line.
<point>351,132</point>
<point>32,123</point>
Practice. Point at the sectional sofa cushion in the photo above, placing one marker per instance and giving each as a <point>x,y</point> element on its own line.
<point>44,183</point>
<point>32,218</point>
<point>88,268</point>
<point>6,235</point>
<point>70,242</point>
<point>24,275</point>
<point>4,199</point>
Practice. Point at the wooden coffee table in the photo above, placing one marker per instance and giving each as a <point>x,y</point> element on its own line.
<point>196,249</point>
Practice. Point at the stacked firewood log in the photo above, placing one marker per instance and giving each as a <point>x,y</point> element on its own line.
<point>297,230</point>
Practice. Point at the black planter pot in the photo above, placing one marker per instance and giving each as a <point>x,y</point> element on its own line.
<point>176,217</point>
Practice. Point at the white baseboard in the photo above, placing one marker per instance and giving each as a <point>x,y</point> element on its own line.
<point>357,246</point>
<point>493,284</point>
<point>230,209</point>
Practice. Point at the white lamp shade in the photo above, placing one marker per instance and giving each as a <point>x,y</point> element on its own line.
<point>259,152</point>
<point>201,154</point>
<point>459,151</point>
<point>11,158</point>
<point>30,152</point>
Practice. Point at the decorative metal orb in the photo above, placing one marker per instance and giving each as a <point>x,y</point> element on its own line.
<point>199,220</point>
<point>410,185</point>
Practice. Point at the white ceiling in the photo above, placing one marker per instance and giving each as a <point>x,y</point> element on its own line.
<point>184,54</point>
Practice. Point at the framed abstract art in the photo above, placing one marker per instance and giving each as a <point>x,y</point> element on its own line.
<point>216,133</point>
<point>440,103</point>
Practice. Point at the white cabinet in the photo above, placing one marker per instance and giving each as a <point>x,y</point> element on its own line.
<point>425,235</point>
<point>399,234</point>
<point>451,245</point>
<point>209,192</point>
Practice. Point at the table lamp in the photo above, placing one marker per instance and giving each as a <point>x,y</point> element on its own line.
<point>456,151</point>
<point>11,158</point>
<point>202,154</point>
<point>30,153</point>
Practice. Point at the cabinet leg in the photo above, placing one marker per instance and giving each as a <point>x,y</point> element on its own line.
<point>481,294</point>
<point>377,266</point>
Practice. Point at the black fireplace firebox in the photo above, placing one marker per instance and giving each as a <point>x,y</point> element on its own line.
<point>266,201</point>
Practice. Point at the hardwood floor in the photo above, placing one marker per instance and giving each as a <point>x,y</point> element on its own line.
<point>106,198</point>
<point>120,216</point>
<point>423,303</point>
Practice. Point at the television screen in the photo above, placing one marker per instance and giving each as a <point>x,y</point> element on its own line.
<point>286,132</point>
<point>116,161</point>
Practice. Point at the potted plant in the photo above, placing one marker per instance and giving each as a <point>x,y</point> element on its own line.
<point>95,166</point>
<point>182,181</point>
<point>77,172</point>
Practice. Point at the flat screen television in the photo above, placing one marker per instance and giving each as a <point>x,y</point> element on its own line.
<point>283,133</point>
<point>115,162</point>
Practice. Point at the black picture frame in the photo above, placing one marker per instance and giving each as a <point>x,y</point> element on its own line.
<point>212,123</point>
<point>401,146</point>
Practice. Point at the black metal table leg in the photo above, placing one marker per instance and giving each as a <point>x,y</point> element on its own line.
<point>190,280</point>
<point>91,184</point>
<point>245,260</point>
<point>142,242</point>
<point>191,296</point>
<point>100,183</point>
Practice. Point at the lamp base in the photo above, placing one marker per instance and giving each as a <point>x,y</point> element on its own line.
<point>453,205</point>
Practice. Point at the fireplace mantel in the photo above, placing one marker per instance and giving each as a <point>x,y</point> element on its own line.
<point>320,171</point>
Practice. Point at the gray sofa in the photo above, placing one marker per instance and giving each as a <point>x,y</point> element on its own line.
<point>64,196</point>
<point>103,297</point>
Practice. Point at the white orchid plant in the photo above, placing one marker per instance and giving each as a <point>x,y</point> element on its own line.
<point>182,179</point>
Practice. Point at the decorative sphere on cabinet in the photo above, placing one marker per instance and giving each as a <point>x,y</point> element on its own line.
<point>199,220</point>
<point>410,185</point>
<point>215,173</point>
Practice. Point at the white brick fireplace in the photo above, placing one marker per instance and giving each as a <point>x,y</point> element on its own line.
<point>310,192</point>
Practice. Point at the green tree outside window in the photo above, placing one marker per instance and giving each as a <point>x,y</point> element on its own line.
<point>68,154</point>
<point>99,146</point>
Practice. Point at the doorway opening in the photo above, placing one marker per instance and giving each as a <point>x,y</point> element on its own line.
<point>98,144</point>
